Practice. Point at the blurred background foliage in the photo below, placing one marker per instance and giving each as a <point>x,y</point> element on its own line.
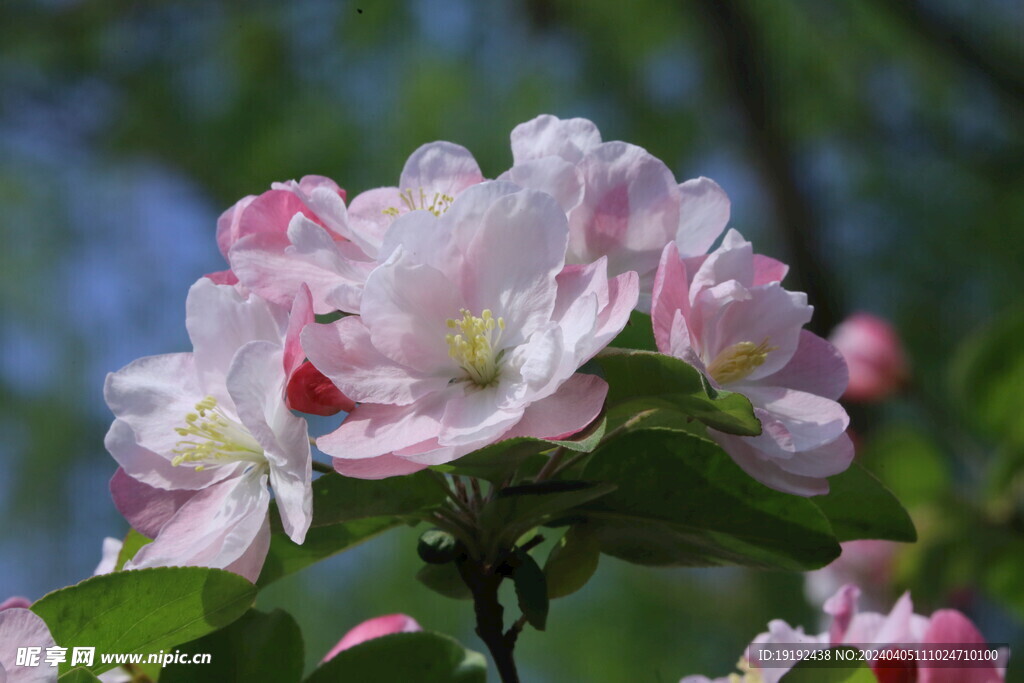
<point>878,146</point>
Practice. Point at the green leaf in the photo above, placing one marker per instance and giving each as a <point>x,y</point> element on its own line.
<point>516,509</point>
<point>327,318</point>
<point>859,506</point>
<point>285,557</point>
<point>826,671</point>
<point>445,580</point>
<point>133,542</point>
<point>144,610</point>
<point>423,657</point>
<point>649,380</point>
<point>572,561</point>
<point>987,374</point>
<point>682,501</point>
<point>78,675</point>
<point>343,499</point>
<point>531,590</point>
<point>637,334</point>
<point>499,460</point>
<point>258,647</point>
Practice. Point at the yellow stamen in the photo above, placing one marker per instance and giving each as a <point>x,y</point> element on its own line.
<point>436,204</point>
<point>216,439</point>
<point>473,343</point>
<point>735,362</point>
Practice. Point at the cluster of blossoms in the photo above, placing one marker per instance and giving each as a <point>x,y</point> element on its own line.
<point>468,307</point>
<point>901,626</point>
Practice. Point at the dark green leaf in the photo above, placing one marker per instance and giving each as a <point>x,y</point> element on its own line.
<point>531,590</point>
<point>825,670</point>
<point>572,561</point>
<point>133,542</point>
<point>646,380</point>
<point>637,334</point>
<point>859,506</point>
<point>144,610</point>
<point>682,501</point>
<point>516,509</point>
<point>343,499</point>
<point>423,657</point>
<point>444,579</point>
<point>258,647</point>
<point>285,557</point>
<point>327,318</point>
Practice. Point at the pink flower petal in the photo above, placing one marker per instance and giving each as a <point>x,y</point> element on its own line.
<point>703,215</point>
<point>146,508</point>
<point>214,528</point>
<point>768,471</point>
<point>553,175</point>
<point>405,307</point>
<point>947,627</point>
<point>372,429</point>
<point>548,135</point>
<point>816,367</point>
<point>344,352</point>
<point>571,408</point>
<point>220,320</point>
<point>256,384</point>
<point>15,602</point>
<point>374,628</point>
<point>671,293</point>
<point>380,467</point>
<point>301,315</point>
<point>155,469</point>
<point>440,167</point>
<point>629,212</point>
<point>512,262</point>
<point>22,628</point>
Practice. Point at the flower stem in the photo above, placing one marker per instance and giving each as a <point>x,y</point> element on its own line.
<point>322,467</point>
<point>483,583</point>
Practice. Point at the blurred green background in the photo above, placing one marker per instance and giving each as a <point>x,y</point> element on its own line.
<point>877,146</point>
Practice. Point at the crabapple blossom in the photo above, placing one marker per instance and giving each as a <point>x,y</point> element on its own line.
<point>728,316</point>
<point>374,628</point>
<point>848,626</point>
<point>874,355</point>
<point>470,331</point>
<point>333,248</point>
<point>200,436</point>
<point>621,201</point>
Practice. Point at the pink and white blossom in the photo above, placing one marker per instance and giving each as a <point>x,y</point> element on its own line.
<point>622,202</point>
<point>728,316</point>
<point>373,628</point>
<point>470,331</point>
<point>332,248</point>
<point>200,437</point>
<point>851,627</point>
<point>874,355</point>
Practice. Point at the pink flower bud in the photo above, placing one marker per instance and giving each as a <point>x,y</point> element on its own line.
<point>874,356</point>
<point>309,391</point>
<point>374,628</point>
